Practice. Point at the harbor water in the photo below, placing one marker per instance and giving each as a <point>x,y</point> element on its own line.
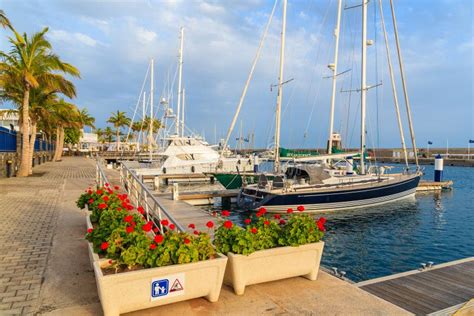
<point>396,237</point>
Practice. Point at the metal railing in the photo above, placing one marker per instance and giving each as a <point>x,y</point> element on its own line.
<point>141,195</point>
<point>100,176</point>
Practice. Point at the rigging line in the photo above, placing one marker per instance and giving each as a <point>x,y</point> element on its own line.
<point>249,78</point>
<point>376,78</point>
<point>353,66</point>
<point>314,72</point>
<point>138,102</point>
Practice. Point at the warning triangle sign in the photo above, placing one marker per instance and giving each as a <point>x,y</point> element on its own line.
<point>176,286</point>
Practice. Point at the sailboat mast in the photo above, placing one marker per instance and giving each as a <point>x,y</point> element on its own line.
<point>394,89</point>
<point>143,119</point>
<point>402,73</point>
<point>277,166</point>
<point>363,89</point>
<point>182,112</point>
<point>180,75</point>
<point>150,132</point>
<point>334,69</point>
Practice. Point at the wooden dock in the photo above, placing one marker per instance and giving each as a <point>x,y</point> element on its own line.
<point>434,186</point>
<point>442,289</point>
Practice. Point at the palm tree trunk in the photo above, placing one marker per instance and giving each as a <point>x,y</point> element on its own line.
<point>32,147</point>
<point>61,143</point>
<point>118,139</point>
<point>56,151</point>
<point>24,163</point>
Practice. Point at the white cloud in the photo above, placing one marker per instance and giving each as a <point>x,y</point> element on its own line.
<point>69,37</point>
<point>144,36</point>
<point>211,8</point>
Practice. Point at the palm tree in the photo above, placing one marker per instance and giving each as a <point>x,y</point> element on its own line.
<point>118,120</point>
<point>31,65</point>
<point>86,119</point>
<point>146,127</point>
<point>100,136</point>
<point>136,128</point>
<point>4,21</point>
<point>64,115</point>
<point>109,135</point>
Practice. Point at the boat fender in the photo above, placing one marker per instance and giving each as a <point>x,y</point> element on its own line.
<point>164,170</point>
<point>193,169</point>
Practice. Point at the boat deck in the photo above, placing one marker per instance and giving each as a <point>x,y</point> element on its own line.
<point>441,288</point>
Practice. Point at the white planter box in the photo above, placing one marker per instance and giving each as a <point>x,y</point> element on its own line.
<point>92,255</point>
<point>273,264</point>
<point>135,290</point>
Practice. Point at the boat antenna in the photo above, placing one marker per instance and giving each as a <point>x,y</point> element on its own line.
<point>249,78</point>
<point>363,88</point>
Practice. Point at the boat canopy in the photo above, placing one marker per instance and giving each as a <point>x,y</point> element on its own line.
<point>313,174</point>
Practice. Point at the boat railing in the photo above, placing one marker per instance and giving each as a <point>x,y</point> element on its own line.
<point>141,195</point>
<point>100,176</point>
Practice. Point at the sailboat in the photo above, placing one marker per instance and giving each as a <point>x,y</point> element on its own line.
<point>329,186</point>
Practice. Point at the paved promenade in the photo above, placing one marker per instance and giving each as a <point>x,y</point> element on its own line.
<point>45,269</point>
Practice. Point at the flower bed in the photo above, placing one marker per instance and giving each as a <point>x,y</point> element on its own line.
<point>269,249</point>
<point>146,263</point>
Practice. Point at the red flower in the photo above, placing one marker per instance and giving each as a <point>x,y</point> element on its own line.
<point>172,226</point>
<point>225,213</point>
<point>214,213</point>
<point>282,222</point>
<point>89,191</point>
<point>186,241</point>
<point>277,216</point>
<point>266,223</point>
<point>322,220</point>
<point>133,224</point>
<point>210,224</point>
<point>141,210</point>
<point>147,227</point>
<point>155,229</point>
<point>247,221</point>
<point>196,232</point>
<point>192,226</point>
<point>104,245</point>
<point>258,214</point>
<point>89,230</point>
<point>116,187</point>
<point>102,206</point>
<point>321,223</point>
<point>119,208</point>
<point>300,208</point>
<point>228,224</point>
<point>107,184</point>
<point>164,222</point>
<point>110,261</point>
<point>129,229</point>
<point>99,192</point>
<point>152,246</point>
<point>289,211</point>
<point>159,239</point>
<point>91,201</point>
<point>262,210</point>
<point>105,198</point>
<point>129,207</point>
<point>128,218</point>
<point>253,230</point>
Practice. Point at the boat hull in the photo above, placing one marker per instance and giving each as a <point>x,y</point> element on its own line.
<point>232,181</point>
<point>329,200</point>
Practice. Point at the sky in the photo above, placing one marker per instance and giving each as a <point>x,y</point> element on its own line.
<point>112,42</point>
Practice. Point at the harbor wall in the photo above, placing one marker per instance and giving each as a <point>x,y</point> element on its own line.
<point>10,162</point>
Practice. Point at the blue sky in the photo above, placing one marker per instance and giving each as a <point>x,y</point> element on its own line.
<point>112,41</point>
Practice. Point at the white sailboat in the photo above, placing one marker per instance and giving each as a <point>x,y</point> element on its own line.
<point>328,186</point>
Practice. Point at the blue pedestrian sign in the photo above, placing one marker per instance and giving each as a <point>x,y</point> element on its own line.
<point>159,288</point>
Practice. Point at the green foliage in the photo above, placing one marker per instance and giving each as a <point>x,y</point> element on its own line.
<point>128,243</point>
<point>72,135</point>
<point>265,233</point>
<point>300,229</point>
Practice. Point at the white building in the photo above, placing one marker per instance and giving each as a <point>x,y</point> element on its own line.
<point>9,119</point>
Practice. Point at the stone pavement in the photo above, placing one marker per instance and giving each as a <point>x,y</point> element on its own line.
<point>30,237</point>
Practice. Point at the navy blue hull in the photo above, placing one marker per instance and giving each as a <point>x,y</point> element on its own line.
<point>338,199</point>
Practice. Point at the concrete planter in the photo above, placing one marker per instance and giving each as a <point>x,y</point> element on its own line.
<point>92,255</point>
<point>135,290</point>
<point>273,264</point>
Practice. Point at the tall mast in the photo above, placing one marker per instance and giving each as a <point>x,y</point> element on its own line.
<point>402,73</point>
<point>180,75</point>
<point>150,132</point>
<point>277,166</point>
<point>143,118</point>
<point>182,112</point>
<point>334,69</point>
<point>394,89</point>
<point>363,88</point>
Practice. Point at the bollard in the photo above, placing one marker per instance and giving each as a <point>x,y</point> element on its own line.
<point>9,168</point>
<point>255,163</point>
<point>349,166</point>
<point>438,169</point>
<point>175,192</point>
